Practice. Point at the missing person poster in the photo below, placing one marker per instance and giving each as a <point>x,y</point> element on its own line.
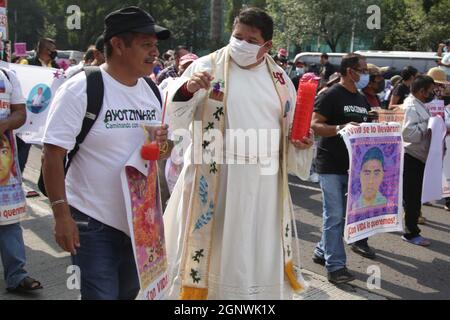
<point>388,116</point>
<point>374,203</point>
<point>145,219</point>
<point>39,86</point>
<point>12,198</point>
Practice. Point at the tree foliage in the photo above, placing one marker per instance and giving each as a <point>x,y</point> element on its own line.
<point>188,20</point>
<point>405,24</point>
<point>331,21</point>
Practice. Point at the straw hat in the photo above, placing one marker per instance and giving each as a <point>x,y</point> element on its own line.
<point>438,75</point>
<point>373,70</point>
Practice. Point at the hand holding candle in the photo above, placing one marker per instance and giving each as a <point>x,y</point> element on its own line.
<point>157,134</point>
<point>150,150</point>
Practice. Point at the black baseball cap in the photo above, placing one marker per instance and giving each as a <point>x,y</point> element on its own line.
<point>133,19</point>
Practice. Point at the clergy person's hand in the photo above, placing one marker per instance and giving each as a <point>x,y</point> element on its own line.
<point>306,143</point>
<point>200,80</point>
<point>162,134</point>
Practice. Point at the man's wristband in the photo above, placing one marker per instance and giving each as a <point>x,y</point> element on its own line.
<point>57,203</point>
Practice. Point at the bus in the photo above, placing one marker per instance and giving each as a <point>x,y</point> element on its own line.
<point>422,61</point>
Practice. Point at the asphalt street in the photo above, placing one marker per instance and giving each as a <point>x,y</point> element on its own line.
<point>407,271</point>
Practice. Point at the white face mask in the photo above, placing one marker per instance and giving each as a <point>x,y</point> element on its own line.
<point>243,53</point>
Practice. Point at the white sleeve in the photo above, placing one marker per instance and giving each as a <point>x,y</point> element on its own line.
<point>163,86</point>
<point>65,120</point>
<point>16,93</point>
<point>181,114</point>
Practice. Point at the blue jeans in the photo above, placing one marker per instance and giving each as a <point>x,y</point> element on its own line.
<point>106,261</point>
<point>331,247</point>
<point>12,250</point>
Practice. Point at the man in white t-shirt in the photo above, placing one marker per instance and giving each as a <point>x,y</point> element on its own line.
<point>89,208</point>
<point>12,247</point>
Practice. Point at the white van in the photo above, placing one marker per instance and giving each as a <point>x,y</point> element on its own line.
<point>422,61</point>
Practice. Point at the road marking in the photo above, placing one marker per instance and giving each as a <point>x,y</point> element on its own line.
<point>304,187</point>
<point>39,208</point>
<point>37,243</point>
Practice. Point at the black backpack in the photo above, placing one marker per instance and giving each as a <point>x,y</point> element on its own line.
<point>95,90</point>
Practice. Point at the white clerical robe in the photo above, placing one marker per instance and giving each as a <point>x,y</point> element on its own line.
<point>247,252</point>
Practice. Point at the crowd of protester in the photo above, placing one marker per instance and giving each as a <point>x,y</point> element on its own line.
<point>354,82</point>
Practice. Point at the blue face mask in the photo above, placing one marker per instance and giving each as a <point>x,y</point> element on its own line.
<point>363,82</point>
<point>300,71</point>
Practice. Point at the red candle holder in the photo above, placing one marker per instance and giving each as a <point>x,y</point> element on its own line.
<point>304,109</point>
<point>150,151</point>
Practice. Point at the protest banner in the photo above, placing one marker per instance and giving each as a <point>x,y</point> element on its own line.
<point>39,86</point>
<point>446,179</point>
<point>12,197</point>
<point>374,203</point>
<point>434,167</point>
<point>437,108</point>
<point>3,20</point>
<point>5,44</point>
<point>145,219</point>
<point>388,116</point>
<point>446,172</point>
<point>20,49</point>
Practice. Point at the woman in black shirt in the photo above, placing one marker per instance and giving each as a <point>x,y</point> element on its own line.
<point>402,89</point>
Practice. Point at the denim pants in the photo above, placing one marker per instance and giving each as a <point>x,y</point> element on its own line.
<point>331,247</point>
<point>106,261</point>
<point>12,250</point>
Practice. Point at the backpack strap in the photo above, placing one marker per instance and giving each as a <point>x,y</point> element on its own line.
<point>155,89</point>
<point>5,73</point>
<point>95,90</point>
<point>78,72</point>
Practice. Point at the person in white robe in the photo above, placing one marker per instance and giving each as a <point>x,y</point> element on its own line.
<point>230,228</point>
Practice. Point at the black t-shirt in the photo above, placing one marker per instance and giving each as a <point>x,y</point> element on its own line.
<point>402,91</point>
<point>327,71</point>
<point>296,81</point>
<point>36,62</point>
<point>340,107</point>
